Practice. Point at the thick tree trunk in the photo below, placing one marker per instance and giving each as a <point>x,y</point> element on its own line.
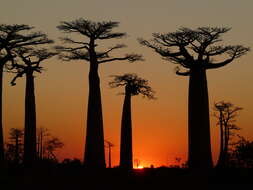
<point>126,153</point>
<point>200,155</point>
<point>30,122</point>
<point>1,118</point>
<point>94,156</point>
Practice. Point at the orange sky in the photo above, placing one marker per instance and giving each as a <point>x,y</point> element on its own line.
<point>159,126</point>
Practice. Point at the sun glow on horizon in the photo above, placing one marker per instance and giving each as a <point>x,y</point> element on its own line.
<point>139,167</point>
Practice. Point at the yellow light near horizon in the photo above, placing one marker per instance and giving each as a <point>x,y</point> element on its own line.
<point>139,167</point>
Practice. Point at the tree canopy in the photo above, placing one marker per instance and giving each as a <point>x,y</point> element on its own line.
<point>134,84</point>
<point>31,59</point>
<point>92,32</point>
<point>195,48</point>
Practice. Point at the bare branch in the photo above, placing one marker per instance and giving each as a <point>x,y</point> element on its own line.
<point>19,74</point>
<point>106,53</point>
<point>69,40</point>
<point>128,57</point>
<point>75,55</point>
<point>234,52</point>
<point>217,50</point>
<point>69,49</point>
<point>185,73</point>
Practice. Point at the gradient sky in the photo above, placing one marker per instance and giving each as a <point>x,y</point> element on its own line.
<point>159,126</point>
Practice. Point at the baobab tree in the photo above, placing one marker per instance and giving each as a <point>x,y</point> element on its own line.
<point>226,115</point>
<point>31,59</point>
<point>11,37</point>
<point>195,51</point>
<point>134,86</point>
<point>93,32</point>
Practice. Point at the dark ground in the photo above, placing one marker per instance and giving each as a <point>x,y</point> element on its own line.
<point>77,177</point>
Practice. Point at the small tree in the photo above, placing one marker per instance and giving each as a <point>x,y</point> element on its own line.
<point>134,85</point>
<point>195,51</point>
<point>11,37</point>
<point>51,146</point>
<point>42,133</point>
<point>14,150</point>
<point>226,115</point>
<point>86,50</point>
<point>30,64</point>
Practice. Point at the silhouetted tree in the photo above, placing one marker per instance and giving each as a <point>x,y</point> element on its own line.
<point>42,133</point>
<point>51,146</point>
<point>14,150</point>
<point>11,37</point>
<point>86,50</point>
<point>226,115</point>
<point>134,85</point>
<point>195,50</point>
<point>30,64</point>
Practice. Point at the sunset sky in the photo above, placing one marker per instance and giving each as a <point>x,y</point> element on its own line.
<point>159,126</point>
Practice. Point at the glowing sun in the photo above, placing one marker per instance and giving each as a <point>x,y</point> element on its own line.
<point>139,167</point>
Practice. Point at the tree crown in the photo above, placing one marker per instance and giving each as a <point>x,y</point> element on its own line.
<point>14,36</point>
<point>194,48</point>
<point>85,50</point>
<point>227,112</point>
<point>17,36</point>
<point>30,60</point>
<point>133,85</point>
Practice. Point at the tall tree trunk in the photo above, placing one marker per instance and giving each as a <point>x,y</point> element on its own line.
<point>221,155</point>
<point>200,155</point>
<point>30,122</point>
<point>94,156</point>
<point>126,153</point>
<point>1,118</point>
